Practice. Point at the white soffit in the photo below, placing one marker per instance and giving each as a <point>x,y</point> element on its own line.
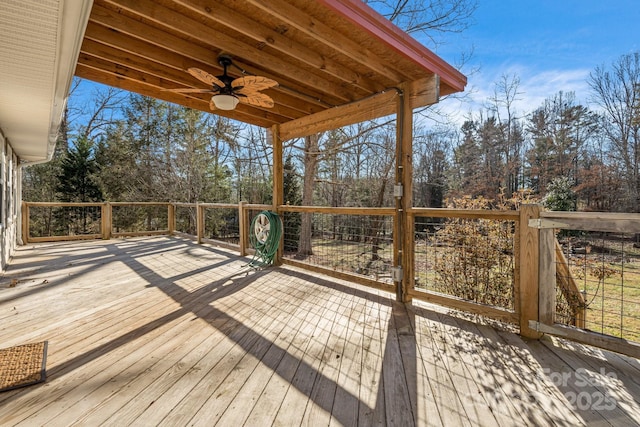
<point>39,45</point>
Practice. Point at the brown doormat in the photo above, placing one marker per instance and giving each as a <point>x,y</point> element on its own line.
<point>22,365</point>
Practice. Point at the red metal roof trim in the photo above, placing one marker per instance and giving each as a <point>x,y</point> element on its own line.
<point>378,26</point>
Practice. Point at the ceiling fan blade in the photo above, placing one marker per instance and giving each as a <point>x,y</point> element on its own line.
<point>256,99</point>
<point>254,83</point>
<point>205,77</point>
<point>190,90</point>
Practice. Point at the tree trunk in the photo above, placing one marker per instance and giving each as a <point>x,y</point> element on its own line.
<point>311,158</point>
<point>378,221</point>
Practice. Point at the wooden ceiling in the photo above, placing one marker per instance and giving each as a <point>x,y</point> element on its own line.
<point>323,53</point>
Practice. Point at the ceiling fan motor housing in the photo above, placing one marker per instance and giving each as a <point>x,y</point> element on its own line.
<point>225,61</point>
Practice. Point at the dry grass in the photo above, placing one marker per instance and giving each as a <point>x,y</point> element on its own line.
<point>353,257</point>
<point>607,271</point>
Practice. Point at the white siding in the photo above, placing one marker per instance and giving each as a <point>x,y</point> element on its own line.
<point>10,206</point>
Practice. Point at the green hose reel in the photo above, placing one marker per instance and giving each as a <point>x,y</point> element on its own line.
<point>265,234</point>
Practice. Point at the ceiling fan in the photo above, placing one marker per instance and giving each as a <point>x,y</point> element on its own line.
<point>228,92</point>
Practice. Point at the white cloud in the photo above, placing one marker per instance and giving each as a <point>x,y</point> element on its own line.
<point>535,86</point>
<point>540,86</point>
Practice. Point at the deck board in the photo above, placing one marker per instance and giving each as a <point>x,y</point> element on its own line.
<point>162,331</point>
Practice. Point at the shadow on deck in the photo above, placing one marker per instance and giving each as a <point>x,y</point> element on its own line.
<point>162,331</point>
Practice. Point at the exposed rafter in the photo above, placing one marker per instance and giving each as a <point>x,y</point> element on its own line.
<point>316,53</point>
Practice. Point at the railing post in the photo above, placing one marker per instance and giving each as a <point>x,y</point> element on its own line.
<point>106,214</point>
<point>404,228</point>
<point>171,218</point>
<point>529,266</point>
<point>278,185</point>
<point>199,221</point>
<point>242,227</point>
<point>25,223</point>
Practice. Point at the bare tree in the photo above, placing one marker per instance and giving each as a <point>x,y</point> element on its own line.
<point>92,114</point>
<point>616,91</point>
<point>506,93</point>
<point>311,159</point>
<point>430,18</point>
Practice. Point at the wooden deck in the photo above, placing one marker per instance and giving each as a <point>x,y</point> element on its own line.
<point>162,331</point>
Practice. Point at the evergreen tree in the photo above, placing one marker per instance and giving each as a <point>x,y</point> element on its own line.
<point>116,158</point>
<point>479,159</point>
<point>560,130</point>
<point>560,195</point>
<point>77,178</point>
<point>77,183</point>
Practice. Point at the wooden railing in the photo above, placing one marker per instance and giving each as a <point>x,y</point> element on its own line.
<point>81,221</point>
<point>520,274</point>
<point>599,253</point>
<point>64,221</point>
<point>366,247</point>
<point>363,249</point>
<point>489,238</point>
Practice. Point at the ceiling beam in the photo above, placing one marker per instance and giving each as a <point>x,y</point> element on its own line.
<point>424,92</point>
<point>361,14</point>
<point>273,39</point>
<point>421,93</point>
<point>323,33</point>
<point>121,82</point>
<point>120,30</point>
<point>94,46</point>
<point>378,105</point>
<point>191,28</point>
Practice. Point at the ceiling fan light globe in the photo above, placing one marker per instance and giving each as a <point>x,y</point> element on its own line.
<point>225,102</point>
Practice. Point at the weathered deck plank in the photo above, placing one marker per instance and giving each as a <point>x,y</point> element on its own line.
<point>162,331</point>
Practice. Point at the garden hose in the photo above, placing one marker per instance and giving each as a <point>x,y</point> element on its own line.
<point>266,231</point>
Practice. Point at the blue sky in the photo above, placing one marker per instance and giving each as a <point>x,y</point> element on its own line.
<point>551,45</point>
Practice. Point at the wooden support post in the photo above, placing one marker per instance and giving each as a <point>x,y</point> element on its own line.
<point>278,184</point>
<point>397,219</point>
<point>106,220</point>
<point>547,277</point>
<point>171,218</point>
<point>199,222</point>
<point>406,139</point>
<point>25,223</point>
<point>529,262</point>
<point>243,226</point>
<point>403,227</point>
